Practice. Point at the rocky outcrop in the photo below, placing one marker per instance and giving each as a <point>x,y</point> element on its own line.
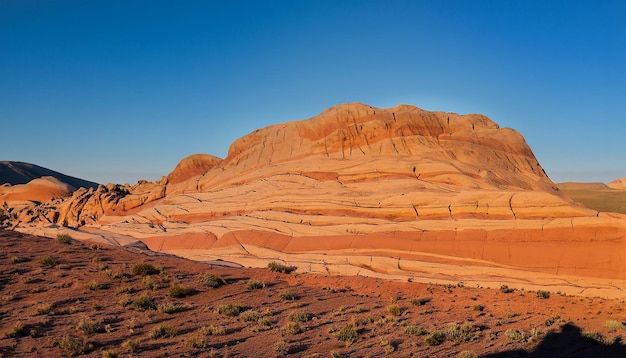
<point>358,180</point>
<point>193,165</point>
<point>39,190</point>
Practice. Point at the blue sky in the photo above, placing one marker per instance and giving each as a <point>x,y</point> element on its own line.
<point>116,91</point>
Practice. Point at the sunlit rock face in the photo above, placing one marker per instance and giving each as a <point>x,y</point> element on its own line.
<point>358,180</point>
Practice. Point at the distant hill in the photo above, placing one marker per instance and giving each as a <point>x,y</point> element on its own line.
<point>582,186</point>
<point>597,196</point>
<point>22,173</point>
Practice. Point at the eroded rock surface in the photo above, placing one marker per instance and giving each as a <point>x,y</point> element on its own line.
<point>359,181</point>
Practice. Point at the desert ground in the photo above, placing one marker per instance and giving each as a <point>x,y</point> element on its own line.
<point>65,297</point>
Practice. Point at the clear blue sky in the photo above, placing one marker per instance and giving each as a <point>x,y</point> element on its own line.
<point>116,91</point>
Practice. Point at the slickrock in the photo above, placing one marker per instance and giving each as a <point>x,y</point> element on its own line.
<point>193,165</point>
<point>359,183</point>
<point>40,190</point>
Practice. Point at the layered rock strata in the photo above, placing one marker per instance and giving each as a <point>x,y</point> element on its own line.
<point>358,181</point>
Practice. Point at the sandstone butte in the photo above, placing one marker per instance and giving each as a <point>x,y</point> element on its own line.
<point>400,193</point>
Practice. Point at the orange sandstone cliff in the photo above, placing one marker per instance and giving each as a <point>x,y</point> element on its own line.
<point>385,190</point>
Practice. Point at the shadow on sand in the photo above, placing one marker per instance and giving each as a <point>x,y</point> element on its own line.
<point>568,343</point>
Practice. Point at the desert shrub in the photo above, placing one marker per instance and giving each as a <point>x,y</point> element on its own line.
<point>162,331</point>
<point>479,308</point>
<point>299,316</point>
<point>593,336</point>
<point>278,267</point>
<point>359,309</point>
<point>231,310</point>
<point>281,347</point>
<point>348,334</point>
<point>255,284</point>
<point>195,342</point>
<point>178,291</point>
<point>19,330</point>
<point>125,288</point>
<point>94,285</point>
<point>249,316</point>
<point>143,303</point>
<point>145,269</point>
<point>150,283</point>
<point>264,323</point>
<point>614,325</point>
<point>165,277</point>
<point>460,332</point>
<point>506,289</point>
<point>44,308</point>
<point>543,294</point>
<point>288,295</point>
<point>435,338</point>
<point>49,261</point>
<point>536,334</point>
<point>516,335</point>
<point>89,326</point>
<point>394,310</point>
<point>292,328</point>
<point>72,345</point>
<point>213,330</point>
<point>112,274</point>
<point>389,347</point>
<point>170,308</point>
<point>420,301</point>
<point>125,301</point>
<point>110,354</point>
<point>211,280</point>
<point>132,345</point>
<point>415,330</point>
<point>17,259</point>
<point>467,354</point>
<point>64,238</point>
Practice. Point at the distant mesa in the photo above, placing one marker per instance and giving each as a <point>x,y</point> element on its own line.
<point>363,190</point>
<point>21,173</point>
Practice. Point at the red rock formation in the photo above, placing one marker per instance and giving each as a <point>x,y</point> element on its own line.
<point>40,189</point>
<point>357,180</point>
<point>193,165</point>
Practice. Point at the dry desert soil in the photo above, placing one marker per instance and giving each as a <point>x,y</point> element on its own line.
<point>63,297</point>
